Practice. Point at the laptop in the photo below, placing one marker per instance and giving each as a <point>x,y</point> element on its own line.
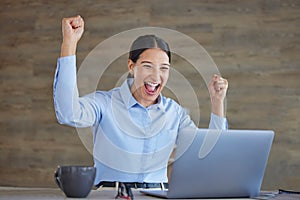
<point>218,164</point>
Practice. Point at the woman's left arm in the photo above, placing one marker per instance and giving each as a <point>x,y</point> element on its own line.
<point>217,90</point>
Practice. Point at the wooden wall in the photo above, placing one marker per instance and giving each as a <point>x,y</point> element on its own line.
<point>254,43</point>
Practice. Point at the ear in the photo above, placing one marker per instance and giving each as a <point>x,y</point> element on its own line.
<point>130,65</point>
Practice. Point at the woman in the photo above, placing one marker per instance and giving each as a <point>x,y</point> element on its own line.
<point>134,126</point>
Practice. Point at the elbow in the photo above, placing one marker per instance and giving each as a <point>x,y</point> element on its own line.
<point>64,116</point>
<point>62,119</point>
<point>68,118</point>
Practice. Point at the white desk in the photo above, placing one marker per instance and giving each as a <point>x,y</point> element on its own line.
<point>16,193</point>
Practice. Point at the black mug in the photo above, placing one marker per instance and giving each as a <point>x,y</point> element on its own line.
<point>75,181</point>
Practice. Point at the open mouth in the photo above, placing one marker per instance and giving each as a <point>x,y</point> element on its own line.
<point>151,88</point>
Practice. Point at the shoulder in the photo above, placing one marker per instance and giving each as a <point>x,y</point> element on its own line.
<point>102,97</point>
<point>171,104</point>
<point>107,92</point>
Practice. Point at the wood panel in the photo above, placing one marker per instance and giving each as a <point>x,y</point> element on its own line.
<point>255,45</point>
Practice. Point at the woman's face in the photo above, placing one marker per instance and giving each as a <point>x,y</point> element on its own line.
<point>151,72</point>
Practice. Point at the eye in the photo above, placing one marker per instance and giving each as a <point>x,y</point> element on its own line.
<point>164,68</point>
<point>147,66</point>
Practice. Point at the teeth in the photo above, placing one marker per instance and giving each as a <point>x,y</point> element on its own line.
<point>152,84</point>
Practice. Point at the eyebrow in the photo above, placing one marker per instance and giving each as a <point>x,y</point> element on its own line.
<point>149,62</point>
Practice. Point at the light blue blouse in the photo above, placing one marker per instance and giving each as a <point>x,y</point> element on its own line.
<point>131,143</point>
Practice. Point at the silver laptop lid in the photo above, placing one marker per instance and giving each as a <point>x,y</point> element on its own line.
<point>215,163</point>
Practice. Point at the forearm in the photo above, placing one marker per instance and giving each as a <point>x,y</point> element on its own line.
<point>217,107</point>
<point>217,122</point>
<point>217,118</point>
<point>68,48</point>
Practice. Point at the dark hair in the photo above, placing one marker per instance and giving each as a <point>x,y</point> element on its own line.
<point>145,42</point>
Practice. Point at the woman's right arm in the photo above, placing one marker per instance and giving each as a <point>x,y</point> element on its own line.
<point>71,109</point>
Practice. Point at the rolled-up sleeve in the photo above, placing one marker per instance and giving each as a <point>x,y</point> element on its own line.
<point>217,122</point>
<point>69,108</point>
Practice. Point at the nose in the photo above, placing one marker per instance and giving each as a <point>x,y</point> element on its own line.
<point>155,75</point>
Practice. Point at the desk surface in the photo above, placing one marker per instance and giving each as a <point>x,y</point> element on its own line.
<point>16,193</point>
